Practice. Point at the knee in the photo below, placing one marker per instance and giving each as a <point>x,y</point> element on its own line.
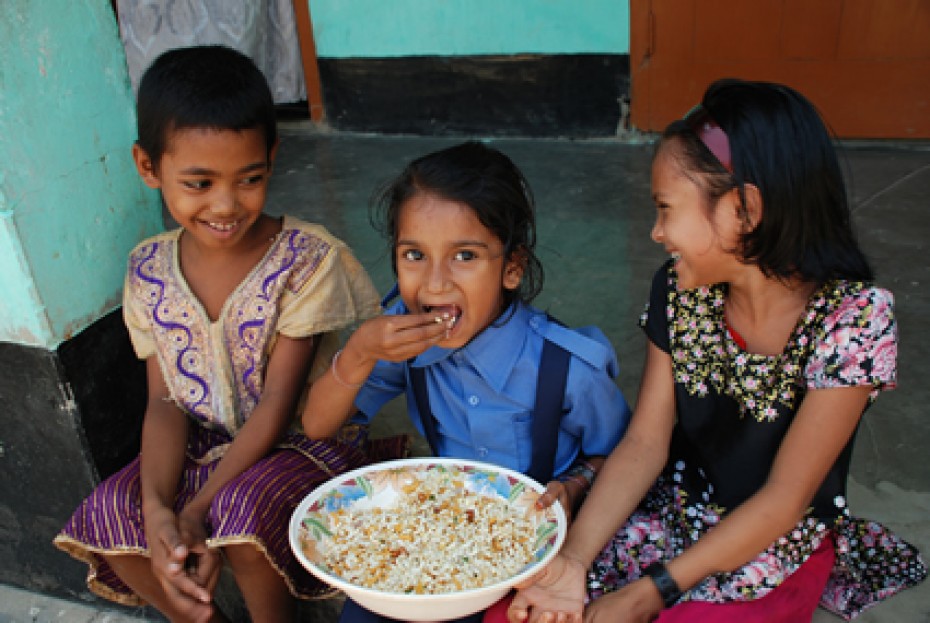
<point>243,556</point>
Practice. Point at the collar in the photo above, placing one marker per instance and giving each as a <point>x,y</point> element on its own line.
<point>493,352</point>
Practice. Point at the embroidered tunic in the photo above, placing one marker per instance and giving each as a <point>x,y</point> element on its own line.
<point>307,284</point>
<point>733,411</point>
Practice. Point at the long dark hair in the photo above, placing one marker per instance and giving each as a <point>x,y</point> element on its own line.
<point>779,143</point>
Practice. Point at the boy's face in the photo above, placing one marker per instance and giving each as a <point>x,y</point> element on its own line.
<point>449,263</point>
<point>214,183</point>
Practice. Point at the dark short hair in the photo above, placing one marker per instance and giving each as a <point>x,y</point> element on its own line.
<point>485,180</point>
<point>212,87</point>
<point>779,143</point>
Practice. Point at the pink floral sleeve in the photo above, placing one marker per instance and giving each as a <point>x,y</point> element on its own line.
<point>858,344</point>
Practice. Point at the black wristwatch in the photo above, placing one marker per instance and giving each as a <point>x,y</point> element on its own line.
<point>666,584</point>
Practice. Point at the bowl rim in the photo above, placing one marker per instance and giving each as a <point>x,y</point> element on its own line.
<point>348,587</point>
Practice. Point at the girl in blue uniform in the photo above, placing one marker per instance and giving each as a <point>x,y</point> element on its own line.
<point>486,375</point>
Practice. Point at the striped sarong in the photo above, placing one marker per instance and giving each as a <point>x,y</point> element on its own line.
<point>255,507</point>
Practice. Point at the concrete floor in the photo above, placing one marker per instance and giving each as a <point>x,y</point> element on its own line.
<point>594,218</point>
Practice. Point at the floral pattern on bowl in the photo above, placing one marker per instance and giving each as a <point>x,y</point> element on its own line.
<point>379,486</point>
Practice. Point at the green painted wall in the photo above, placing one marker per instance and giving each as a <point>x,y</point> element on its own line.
<point>387,28</point>
<point>71,204</point>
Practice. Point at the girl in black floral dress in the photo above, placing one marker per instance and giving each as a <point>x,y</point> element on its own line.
<point>726,499</point>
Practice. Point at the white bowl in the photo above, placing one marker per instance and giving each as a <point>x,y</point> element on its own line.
<point>373,486</point>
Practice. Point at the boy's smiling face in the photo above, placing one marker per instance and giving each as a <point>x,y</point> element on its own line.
<point>214,183</point>
<point>448,263</point>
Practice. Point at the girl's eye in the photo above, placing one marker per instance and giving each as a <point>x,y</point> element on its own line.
<point>197,184</point>
<point>412,255</point>
<point>465,255</point>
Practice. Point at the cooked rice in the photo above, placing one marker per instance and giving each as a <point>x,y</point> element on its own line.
<point>439,538</point>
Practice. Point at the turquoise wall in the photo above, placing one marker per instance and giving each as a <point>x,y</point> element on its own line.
<point>385,28</point>
<point>71,204</point>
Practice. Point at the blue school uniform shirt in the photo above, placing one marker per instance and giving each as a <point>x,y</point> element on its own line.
<point>482,394</point>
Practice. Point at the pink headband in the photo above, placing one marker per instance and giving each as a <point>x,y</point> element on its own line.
<point>711,134</point>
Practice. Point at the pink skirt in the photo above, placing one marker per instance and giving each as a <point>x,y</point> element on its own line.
<point>794,601</point>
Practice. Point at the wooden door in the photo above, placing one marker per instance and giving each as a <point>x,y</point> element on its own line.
<point>864,63</point>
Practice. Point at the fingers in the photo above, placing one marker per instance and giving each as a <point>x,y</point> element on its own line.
<point>184,575</point>
<point>396,338</point>
<point>177,559</point>
<point>555,490</point>
<point>192,609</point>
<point>414,328</point>
<point>518,611</point>
<point>185,583</point>
<point>205,569</point>
<point>175,550</point>
<point>530,581</point>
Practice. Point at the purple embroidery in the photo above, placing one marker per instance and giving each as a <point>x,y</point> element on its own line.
<point>286,262</point>
<point>143,265</point>
<point>249,380</point>
<point>250,334</point>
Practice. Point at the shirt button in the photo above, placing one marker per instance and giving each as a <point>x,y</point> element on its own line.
<point>534,322</point>
<point>473,400</point>
<point>482,452</point>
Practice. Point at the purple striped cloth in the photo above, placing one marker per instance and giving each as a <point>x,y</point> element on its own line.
<point>254,507</point>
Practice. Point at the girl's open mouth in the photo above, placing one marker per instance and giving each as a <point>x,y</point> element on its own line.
<point>448,314</point>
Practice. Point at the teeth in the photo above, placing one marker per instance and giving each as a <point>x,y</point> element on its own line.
<point>222,226</point>
<point>444,318</point>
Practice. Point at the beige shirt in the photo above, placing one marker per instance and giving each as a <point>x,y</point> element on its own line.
<point>308,283</point>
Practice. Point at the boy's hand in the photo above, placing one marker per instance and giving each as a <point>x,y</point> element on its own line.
<point>202,564</point>
<point>170,557</point>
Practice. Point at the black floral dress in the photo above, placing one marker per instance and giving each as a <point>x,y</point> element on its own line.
<point>733,410</point>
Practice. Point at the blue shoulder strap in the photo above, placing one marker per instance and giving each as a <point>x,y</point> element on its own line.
<point>547,411</point>
<point>421,395</point>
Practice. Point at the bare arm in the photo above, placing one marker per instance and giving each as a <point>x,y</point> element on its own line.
<point>392,338</point>
<point>633,466</point>
<point>285,376</point>
<point>820,430</point>
<point>164,441</point>
<point>824,424</point>
<point>630,469</point>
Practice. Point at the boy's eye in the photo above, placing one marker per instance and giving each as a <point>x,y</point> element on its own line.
<point>252,180</point>
<point>412,255</point>
<point>197,184</point>
<point>465,255</point>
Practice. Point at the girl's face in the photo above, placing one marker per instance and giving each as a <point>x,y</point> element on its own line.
<point>214,183</point>
<point>448,263</point>
<point>700,237</point>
